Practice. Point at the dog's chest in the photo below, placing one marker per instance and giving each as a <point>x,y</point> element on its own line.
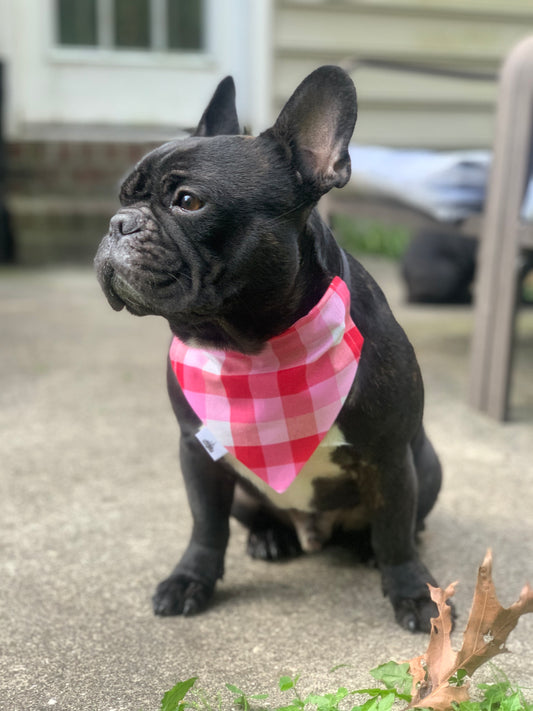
<point>301,494</point>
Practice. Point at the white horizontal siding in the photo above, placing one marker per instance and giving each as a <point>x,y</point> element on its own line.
<point>402,108</point>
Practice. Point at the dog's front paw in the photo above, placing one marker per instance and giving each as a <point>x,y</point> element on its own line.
<point>407,587</point>
<point>415,615</point>
<point>179,595</point>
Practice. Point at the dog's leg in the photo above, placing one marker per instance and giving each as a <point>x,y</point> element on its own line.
<point>404,576</point>
<point>429,475</point>
<point>210,492</point>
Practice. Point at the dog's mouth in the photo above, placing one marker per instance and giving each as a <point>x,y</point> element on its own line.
<point>196,312</point>
<point>119,290</point>
<point>120,293</point>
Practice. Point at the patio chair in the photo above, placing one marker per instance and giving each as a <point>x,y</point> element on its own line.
<point>502,230</point>
<point>504,234</point>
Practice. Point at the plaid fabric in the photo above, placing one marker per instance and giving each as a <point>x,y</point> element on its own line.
<point>272,410</point>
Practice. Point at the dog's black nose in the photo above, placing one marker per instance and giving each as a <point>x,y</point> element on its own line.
<point>125,223</point>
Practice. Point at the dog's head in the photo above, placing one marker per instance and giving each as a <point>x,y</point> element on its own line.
<point>211,233</point>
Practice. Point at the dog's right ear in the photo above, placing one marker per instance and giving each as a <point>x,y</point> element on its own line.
<point>220,116</point>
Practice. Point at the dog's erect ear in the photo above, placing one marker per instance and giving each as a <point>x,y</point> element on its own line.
<point>316,125</point>
<point>220,117</point>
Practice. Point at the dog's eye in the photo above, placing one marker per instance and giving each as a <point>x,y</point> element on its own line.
<point>187,201</point>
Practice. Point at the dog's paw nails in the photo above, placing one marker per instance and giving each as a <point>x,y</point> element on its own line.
<point>410,623</point>
<point>167,599</point>
<point>190,607</point>
<point>273,544</point>
<point>406,616</point>
<point>181,596</point>
<point>415,615</point>
<point>256,546</point>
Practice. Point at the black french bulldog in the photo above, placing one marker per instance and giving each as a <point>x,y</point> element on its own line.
<point>218,233</point>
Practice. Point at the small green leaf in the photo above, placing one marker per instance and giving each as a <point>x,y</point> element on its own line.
<point>394,676</point>
<point>287,682</point>
<point>512,703</point>
<point>494,694</point>
<point>375,692</point>
<point>339,666</point>
<point>327,702</point>
<point>370,705</point>
<point>458,679</point>
<point>234,689</point>
<point>171,700</point>
<point>468,706</point>
<point>240,697</point>
<point>382,693</point>
<point>321,702</point>
<point>379,703</point>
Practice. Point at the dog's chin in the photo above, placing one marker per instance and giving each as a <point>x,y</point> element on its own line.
<point>120,293</point>
<point>200,327</point>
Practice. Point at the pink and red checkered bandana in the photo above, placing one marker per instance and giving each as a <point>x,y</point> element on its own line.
<point>271,410</point>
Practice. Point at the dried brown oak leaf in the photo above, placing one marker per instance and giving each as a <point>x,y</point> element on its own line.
<point>487,629</point>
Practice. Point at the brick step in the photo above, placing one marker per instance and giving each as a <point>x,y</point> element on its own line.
<point>62,190</point>
<point>70,167</point>
<point>57,229</point>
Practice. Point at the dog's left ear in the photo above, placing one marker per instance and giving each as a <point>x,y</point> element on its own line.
<point>316,125</point>
<point>220,116</point>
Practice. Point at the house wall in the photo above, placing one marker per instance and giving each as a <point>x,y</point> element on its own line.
<point>50,85</point>
<point>76,122</point>
<point>77,119</point>
<point>401,108</point>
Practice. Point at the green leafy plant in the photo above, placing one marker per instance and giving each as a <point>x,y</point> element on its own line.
<point>242,700</point>
<point>395,678</point>
<point>439,679</point>
<point>371,237</point>
<point>173,700</point>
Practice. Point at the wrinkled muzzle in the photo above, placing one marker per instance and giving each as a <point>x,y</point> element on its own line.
<point>124,256</point>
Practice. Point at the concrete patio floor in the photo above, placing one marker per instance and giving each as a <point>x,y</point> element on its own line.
<point>93,514</point>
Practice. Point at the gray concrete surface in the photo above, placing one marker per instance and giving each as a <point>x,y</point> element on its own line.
<point>93,514</point>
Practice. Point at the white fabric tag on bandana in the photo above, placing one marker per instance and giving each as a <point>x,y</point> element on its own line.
<point>211,444</point>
